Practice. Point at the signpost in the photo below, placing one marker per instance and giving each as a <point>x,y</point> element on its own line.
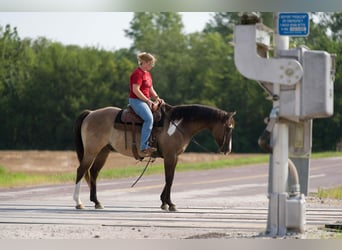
<point>302,89</point>
<point>293,24</point>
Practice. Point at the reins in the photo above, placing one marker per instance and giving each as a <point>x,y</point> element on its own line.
<point>192,139</point>
<point>142,173</point>
<point>150,159</point>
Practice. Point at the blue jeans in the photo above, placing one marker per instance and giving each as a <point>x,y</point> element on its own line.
<point>143,110</point>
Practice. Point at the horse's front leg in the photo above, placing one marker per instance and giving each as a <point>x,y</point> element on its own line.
<point>169,168</point>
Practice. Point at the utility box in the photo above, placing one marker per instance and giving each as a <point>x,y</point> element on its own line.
<point>313,95</point>
<point>300,143</point>
<point>295,214</point>
<point>317,85</point>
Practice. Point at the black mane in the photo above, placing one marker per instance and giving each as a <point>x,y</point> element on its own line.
<point>197,112</point>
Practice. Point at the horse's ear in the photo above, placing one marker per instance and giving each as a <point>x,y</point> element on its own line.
<point>231,114</point>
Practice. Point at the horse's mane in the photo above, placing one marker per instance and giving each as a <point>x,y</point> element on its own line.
<point>197,112</point>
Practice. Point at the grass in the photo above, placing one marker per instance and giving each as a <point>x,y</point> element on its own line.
<point>18,179</point>
<point>330,193</point>
<point>326,154</point>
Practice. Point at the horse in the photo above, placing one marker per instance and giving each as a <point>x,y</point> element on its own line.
<point>96,136</point>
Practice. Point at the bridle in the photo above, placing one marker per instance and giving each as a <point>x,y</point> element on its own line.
<point>228,130</point>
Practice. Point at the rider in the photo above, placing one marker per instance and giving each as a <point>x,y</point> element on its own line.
<point>141,90</point>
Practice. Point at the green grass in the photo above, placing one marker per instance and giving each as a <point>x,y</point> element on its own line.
<point>326,154</point>
<point>17,179</point>
<point>330,193</point>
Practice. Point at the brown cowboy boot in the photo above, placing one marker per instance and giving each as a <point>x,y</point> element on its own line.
<point>148,151</point>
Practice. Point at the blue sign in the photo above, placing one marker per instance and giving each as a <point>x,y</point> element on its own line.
<point>293,24</point>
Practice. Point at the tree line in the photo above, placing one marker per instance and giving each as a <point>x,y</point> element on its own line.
<point>44,84</point>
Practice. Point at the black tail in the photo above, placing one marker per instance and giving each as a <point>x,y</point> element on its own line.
<point>77,134</point>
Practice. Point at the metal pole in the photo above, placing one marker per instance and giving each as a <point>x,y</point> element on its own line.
<point>276,224</point>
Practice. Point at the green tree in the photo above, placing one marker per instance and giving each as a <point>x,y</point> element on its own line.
<point>14,72</point>
<point>44,84</point>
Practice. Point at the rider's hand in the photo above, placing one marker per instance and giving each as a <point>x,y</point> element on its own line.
<point>160,101</point>
<point>155,105</point>
<point>150,104</point>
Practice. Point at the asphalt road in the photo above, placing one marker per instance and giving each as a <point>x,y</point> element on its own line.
<point>221,203</point>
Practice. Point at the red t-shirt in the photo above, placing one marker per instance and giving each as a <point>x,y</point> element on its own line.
<point>142,78</point>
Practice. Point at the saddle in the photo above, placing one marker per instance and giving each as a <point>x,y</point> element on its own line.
<point>127,120</point>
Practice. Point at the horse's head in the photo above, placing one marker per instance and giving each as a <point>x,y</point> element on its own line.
<point>223,132</point>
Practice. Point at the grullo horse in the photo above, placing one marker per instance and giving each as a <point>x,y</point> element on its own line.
<point>96,136</point>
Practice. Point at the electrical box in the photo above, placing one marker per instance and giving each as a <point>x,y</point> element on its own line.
<point>317,85</point>
<point>295,214</point>
<point>300,143</point>
<point>313,95</point>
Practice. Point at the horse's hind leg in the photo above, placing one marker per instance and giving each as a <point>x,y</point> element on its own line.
<point>85,164</point>
<point>92,175</point>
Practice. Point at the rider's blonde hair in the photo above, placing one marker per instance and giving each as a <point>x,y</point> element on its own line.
<point>145,57</point>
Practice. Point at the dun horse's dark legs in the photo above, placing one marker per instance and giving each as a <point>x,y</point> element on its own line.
<point>166,199</point>
<point>94,172</point>
<point>169,167</point>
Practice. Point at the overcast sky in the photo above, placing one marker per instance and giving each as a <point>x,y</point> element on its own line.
<point>102,29</point>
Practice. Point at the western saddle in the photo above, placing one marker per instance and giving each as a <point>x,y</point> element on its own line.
<point>127,120</point>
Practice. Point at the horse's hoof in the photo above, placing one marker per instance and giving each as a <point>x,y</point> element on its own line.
<point>99,206</point>
<point>172,208</point>
<point>79,206</point>
<point>164,207</point>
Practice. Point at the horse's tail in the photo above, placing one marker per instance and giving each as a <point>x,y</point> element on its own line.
<point>77,134</point>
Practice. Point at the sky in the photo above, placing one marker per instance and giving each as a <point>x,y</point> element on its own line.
<point>94,29</point>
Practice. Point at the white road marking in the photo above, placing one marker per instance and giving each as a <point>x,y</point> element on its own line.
<point>317,176</point>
